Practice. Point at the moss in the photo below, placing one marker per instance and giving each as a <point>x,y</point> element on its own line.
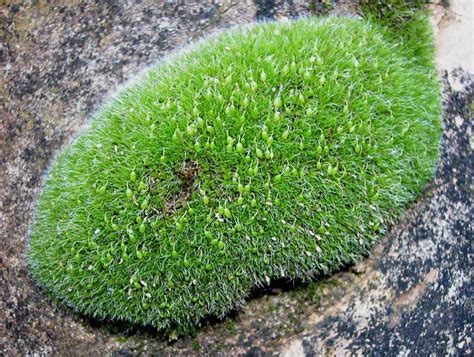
<point>281,149</point>
<point>196,345</point>
<point>404,20</point>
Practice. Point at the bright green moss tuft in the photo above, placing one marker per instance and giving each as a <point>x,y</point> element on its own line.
<point>278,150</point>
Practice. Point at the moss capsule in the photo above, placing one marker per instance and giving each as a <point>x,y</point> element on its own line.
<point>190,130</point>
<point>277,102</point>
<point>301,99</point>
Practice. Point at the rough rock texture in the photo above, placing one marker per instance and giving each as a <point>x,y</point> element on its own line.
<point>59,62</point>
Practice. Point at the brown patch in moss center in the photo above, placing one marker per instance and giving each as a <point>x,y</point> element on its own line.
<point>187,175</point>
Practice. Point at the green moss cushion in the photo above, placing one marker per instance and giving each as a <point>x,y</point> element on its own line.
<point>277,150</point>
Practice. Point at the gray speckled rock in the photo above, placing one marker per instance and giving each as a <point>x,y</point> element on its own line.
<point>58,62</point>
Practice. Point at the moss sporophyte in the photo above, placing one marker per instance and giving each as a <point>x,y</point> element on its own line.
<point>251,157</point>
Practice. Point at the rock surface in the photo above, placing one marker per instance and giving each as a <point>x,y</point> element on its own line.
<point>59,63</point>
